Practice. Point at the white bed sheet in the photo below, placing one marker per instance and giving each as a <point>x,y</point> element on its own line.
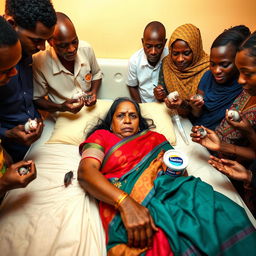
<point>47,218</point>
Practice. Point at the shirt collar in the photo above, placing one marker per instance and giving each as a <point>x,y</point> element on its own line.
<point>144,61</point>
<point>57,66</point>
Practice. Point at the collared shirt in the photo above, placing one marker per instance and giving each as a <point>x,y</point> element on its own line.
<point>16,98</point>
<point>143,75</point>
<point>53,79</point>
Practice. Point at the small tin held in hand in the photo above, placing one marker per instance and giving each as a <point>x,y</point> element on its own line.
<point>234,115</point>
<point>202,132</point>
<point>173,95</point>
<point>23,170</point>
<point>30,125</point>
<point>87,96</point>
<point>78,95</point>
<point>198,97</point>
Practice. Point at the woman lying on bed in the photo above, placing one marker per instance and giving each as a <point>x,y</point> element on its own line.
<point>145,212</point>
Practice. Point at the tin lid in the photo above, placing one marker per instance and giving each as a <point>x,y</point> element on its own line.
<point>175,159</point>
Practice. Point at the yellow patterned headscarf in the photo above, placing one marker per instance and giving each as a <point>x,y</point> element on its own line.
<point>186,82</point>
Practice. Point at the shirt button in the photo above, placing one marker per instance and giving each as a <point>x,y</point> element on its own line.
<point>24,93</point>
<point>28,111</point>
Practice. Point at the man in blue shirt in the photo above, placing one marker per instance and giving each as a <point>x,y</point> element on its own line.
<point>10,55</point>
<point>34,22</point>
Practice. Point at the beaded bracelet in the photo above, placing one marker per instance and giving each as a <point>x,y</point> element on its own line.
<point>120,199</point>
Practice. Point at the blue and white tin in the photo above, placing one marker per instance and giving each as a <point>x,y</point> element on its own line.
<point>176,162</point>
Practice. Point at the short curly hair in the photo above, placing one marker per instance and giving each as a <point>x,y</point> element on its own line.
<point>8,36</point>
<point>27,13</point>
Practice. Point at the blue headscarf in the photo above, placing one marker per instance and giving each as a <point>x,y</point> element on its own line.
<point>217,98</point>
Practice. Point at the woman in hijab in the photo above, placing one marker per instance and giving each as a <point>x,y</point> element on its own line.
<point>183,68</point>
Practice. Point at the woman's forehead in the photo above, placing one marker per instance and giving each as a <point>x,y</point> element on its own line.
<point>244,59</point>
<point>126,106</point>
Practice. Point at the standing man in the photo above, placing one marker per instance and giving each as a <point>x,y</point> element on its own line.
<point>34,22</point>
<point>66,68</point>
<point>10,55</point>
<point>144,65</point>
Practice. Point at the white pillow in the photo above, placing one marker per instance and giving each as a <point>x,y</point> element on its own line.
<point>161,116</point>
<point>73,128</point>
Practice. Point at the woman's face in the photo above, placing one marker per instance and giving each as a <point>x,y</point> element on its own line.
<point>125,120</point>
<point>247,68</point>
<point>222,63</point>
<point>181,54</point>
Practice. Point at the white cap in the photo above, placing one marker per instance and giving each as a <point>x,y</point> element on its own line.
<point>175,160</point>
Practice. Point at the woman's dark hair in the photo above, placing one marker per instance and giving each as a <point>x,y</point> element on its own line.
<point>27,13</point>
<point>250,45</point>
<point>144,123</point>
<point>8,36</point>
<point>241,29</point>
<point>234,36</point>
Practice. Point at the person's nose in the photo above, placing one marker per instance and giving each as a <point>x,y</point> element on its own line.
<point>216,70</point>
<point>241,79</point>
<point>180,58</point>
<point>41,45</point>
<point>127,119</point>
<point>71,48</point>
<point>153,51</point>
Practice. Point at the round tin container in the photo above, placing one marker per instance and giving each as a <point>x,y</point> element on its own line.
<point>198,97</point>
<point>234,115</point>
<point>202,132</point>
<point>173,95</point>
<point>176,162</point>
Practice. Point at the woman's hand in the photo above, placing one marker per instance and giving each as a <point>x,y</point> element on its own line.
<point>136,218</point>
<point>231,168</point>
<point>243,125</point>
<point>196,103</point>
<point>173,104</point>
<point>138,223</point>
<point>210,141</point>
<point>159,92</point>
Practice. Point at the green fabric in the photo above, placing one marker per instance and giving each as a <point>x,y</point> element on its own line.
<point>3,170</point>
<point>92,145</point>
<point>196,219</point>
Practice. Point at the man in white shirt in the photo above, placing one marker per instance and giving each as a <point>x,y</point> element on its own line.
<point>144,65</point>
<point>66,68</point>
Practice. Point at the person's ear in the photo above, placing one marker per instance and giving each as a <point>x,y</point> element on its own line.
<point>165,41</point>
<point>11,20</point>
<point>142,40</point>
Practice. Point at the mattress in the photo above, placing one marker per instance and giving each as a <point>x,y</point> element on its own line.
<point>47,218</point>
